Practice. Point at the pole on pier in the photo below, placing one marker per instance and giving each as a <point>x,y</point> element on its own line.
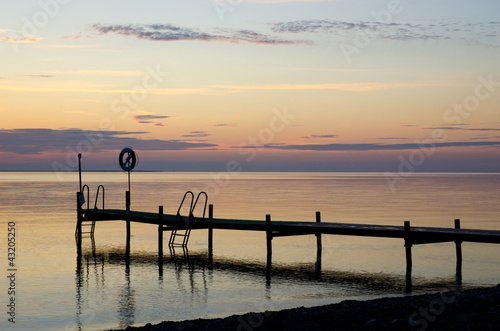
<point>78,224</point>
<point>319,246</point>
<point>408,245</point>
<point>210,235</point>
<point>269,238</point>
<point>127,200</point>
<point>458,246</point>
<point>129,181</point>
<point>80,170</point>
<point>160,235</point>
<point>127,207</point>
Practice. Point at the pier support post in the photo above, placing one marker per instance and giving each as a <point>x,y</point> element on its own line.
<point>160,235</point>
<point>319,247</point>
<point>458,246</point>
<point>127,207</point>
<point>210,235</point>
<point>127,200</point>
<point>78,224</point>
<point>269,238</point>
<point>408,244</point>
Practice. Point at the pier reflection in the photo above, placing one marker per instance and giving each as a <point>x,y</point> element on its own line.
<point>113,279</point>
<point>95,290</point>
<point>126,302</point>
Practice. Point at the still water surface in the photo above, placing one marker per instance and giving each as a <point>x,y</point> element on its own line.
<point>54,291</point>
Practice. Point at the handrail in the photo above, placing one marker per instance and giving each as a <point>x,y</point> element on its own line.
<point>187,226</point>
<point>88,195</point>
<point>196,201</point>
<point>97,196</point>
<point>178,216</point>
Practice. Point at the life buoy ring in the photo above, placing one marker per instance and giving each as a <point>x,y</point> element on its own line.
<point>130,160</point>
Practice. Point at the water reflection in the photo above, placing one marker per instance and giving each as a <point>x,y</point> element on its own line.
<point>85,266</point>
<point>183,264</point>
<point>95,295</point>
<point>112,278</point>
<point>126,302</point>
<point>79,287</point>
<point>92,264</point>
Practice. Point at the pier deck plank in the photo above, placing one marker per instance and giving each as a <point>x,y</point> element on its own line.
<point>417,235</point>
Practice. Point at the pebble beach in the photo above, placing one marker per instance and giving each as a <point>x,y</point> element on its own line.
<point>473,309</point>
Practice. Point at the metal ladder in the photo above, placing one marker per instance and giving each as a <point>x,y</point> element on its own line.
<point>182,227</point>
<point>90,223</point>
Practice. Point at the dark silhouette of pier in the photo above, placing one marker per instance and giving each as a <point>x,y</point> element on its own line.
<point>274,229</point>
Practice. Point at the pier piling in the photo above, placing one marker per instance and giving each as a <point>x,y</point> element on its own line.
<point>269,238</point>
<point>458,246</point>
<point>160,234</point>
<point>408,244</point>
<point>210,234</point>
<point>78,224</point>
<point>319,246</point>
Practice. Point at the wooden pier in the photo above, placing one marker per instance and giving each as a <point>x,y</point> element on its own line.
<point>165,222</point>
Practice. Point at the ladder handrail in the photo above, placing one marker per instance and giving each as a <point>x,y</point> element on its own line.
<point>82,193</point>
<point>196,201</point>
<point>97,196</point>
<point>88,194</point>
<point>178,216</point>
<point>190,219</point>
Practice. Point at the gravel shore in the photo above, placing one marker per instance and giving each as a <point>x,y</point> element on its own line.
<point>475,309</point>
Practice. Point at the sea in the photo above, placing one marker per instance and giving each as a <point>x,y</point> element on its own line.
<point>44,285</point>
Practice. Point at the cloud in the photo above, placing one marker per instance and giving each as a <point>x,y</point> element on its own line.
<point>14,36</point>
<point>108,73</point>
<point>196,134</point>
<point>168,32</point>
<point>350,87</point>
<point>392,138</point>
<point>319,136</point>
<point>156,91</point>
<point>38,76</point>
<point>149,119</point>
<point>485,136</point>
<point>372,147</point>
<point>35,141</point>
<point>333,70</point>
<point>65,46</point>
<point>461,129</point>
<point>393,31</point>
<point>480,33</point>
<point>20,40</point>
<point>225,125</point>
<point>278,1</point>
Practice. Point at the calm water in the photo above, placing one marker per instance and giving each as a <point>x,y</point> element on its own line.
<point>55,292</point>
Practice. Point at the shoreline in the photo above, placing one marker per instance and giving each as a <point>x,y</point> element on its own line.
<point>473,309</point>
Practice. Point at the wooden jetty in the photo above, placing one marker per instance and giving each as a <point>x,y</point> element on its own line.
<point>165,222</point>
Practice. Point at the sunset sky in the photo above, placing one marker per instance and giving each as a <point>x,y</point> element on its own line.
<point>252,85</point>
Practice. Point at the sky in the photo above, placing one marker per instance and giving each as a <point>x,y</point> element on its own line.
<point>252,85</point>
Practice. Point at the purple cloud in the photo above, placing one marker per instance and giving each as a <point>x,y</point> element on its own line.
<point>168,32</point>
